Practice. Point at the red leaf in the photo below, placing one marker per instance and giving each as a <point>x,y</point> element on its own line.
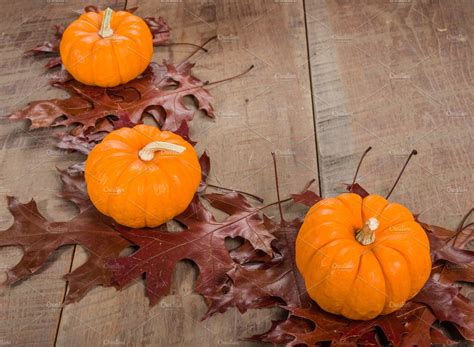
<point>442,246</point>
<point>357,189</point>
<point>448,305</point>
<point>159,29</point>
<point>87,104</point>
<point>205,163</point>
<point>39,237</point>
<point>392,327</point>
<point>202,242</point>
<point>307,197</point>
<point>418,326</point>
<point>257,285</point>
<point>325,327</point>
<point>74,187</point>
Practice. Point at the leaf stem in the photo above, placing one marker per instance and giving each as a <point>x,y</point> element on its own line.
<point>414,152</point>
<point>197,50</point>
<point>309,184</point>
<point>463,220</point>
<point>277,186</point>
<point>229,78</point>
<point>358,166</point>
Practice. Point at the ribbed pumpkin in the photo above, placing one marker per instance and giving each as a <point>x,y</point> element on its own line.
<point>141,176</point>
<point>362,257</point>
<point>106,49</point>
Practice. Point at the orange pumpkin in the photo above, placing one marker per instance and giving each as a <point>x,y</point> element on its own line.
<point>362,257</point>
<point>106,49</point>
<point>142,176</point>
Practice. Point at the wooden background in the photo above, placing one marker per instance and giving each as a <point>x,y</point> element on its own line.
<point>331,78</point>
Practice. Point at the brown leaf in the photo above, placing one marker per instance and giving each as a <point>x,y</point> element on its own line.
<point>418,326</point>
<point>88,105</point>
<point>81,143</point>
<point>307,197</point>
<point>159,29</point>
<point>324,327</point>
<point>50,46</point>
<point>202,242</point>
<point>357,189</point>
<point>74,187</point>
<point>284,331</point>
<point>448,305</point>
<point>255,283</point>
<point>392,328</point>
<point>205,163</point>
<point>442,246</point>
<point>39,238</point>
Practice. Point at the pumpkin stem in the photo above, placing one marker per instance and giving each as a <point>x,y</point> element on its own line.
<point>366,235</point>
<point>105,29</point>
<point>147,153</point>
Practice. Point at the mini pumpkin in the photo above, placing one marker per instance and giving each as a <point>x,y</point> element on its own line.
<point>142,176</point>
<point>362,257</point>
<point>107,48</point>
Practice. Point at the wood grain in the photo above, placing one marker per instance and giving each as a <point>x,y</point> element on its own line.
<point>396,76</point>
<point>30,310</point>
<point>267,110</point>
<point>392,75</point>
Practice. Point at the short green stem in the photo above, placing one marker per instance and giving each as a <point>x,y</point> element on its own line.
<point>105,29</point>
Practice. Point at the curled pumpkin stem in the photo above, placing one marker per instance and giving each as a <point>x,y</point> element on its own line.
<point>366,235</point>
<point>147,153</point>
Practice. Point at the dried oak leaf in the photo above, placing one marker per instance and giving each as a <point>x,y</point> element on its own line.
<point>259,281</point>
<point>201,242</point>
<point>163,87</point>
<point>418,327</point>
<point>448,305</point>
<point>51,47</point>
<point>74,187</point>
<point>39,238</point>
<point>443,245</point>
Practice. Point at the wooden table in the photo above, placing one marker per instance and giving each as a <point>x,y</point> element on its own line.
<point>330,79</point>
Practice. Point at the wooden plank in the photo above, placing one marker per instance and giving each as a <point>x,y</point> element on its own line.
<point>29,311</point>
<point>267,110</point>
<point>395,76</point>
